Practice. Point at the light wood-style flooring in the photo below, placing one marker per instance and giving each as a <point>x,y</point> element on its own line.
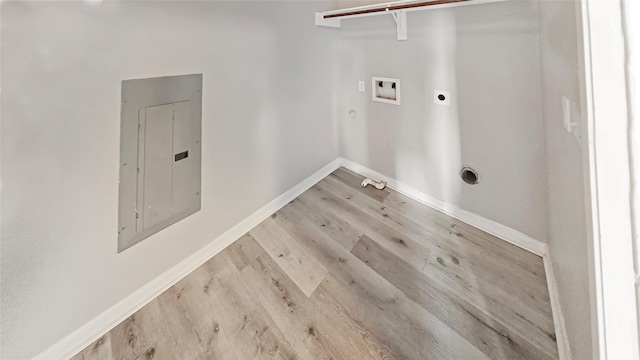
<point>345,272</point>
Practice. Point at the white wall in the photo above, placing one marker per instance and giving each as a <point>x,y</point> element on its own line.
<point>567,239</point>
<point>632,34</point>
<point>488,57</point>
<point>267,109</point>
<point>343,4</point>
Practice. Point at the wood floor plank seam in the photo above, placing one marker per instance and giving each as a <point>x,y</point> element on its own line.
<point>542,336</point>
<point>430,295</point>
<point>388,211</point>
<point>403,222</point>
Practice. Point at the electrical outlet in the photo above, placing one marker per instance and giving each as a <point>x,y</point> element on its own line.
<point>442,97</point>
<point>361,86</point>
<point>571,118</point>
<point>566,113</point>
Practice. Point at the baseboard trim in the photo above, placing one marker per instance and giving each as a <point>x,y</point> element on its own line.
<point>564,351</point>
<point>94,329</point>
<point>503,232</point>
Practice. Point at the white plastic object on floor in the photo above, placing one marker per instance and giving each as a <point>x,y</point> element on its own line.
<point>377,184</point>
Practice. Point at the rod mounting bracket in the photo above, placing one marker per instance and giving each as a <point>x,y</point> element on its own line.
<point>398,9</point>
<point>401,24</point>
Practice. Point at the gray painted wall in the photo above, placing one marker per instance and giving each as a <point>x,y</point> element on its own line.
<point>488,57</point>
<point>567,237</point>
<point>267,109</point>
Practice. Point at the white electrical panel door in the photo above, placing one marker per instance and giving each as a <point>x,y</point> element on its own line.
<point>185,186</point>
<point>160,155</point>
<point>165,179</point>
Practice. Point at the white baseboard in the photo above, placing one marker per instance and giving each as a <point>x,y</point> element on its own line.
<point>564,351</point>
<point>93,330</point>
<point>503,232</point>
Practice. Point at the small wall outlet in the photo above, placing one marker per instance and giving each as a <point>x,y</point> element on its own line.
<point>361,86</point>
<point>571,118</point>
<point>442,97</point>
<point>385,90</point>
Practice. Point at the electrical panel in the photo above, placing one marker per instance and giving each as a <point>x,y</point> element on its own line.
<point>160,154</point>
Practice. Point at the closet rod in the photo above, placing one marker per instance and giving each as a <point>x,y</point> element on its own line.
<point>392,8</point>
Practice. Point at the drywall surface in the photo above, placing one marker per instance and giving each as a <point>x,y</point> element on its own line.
<point>632,34</point>
<point>487,56</point>
<point>266,122</point>
<point>567,239</point>
<point>343,4</point>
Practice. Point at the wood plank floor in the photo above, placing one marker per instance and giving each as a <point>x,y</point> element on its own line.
<point>345,272</point>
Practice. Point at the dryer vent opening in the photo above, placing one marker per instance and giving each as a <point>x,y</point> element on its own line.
<point>469,175</point>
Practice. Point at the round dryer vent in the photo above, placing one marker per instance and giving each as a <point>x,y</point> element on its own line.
<point>469,175</point>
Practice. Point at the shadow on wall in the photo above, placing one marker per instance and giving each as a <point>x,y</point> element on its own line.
<point>441,130</point>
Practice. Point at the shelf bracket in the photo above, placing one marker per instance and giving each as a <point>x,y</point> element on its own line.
<point>398,9</point>
<point>401,24</point>
<point>332,22</point>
